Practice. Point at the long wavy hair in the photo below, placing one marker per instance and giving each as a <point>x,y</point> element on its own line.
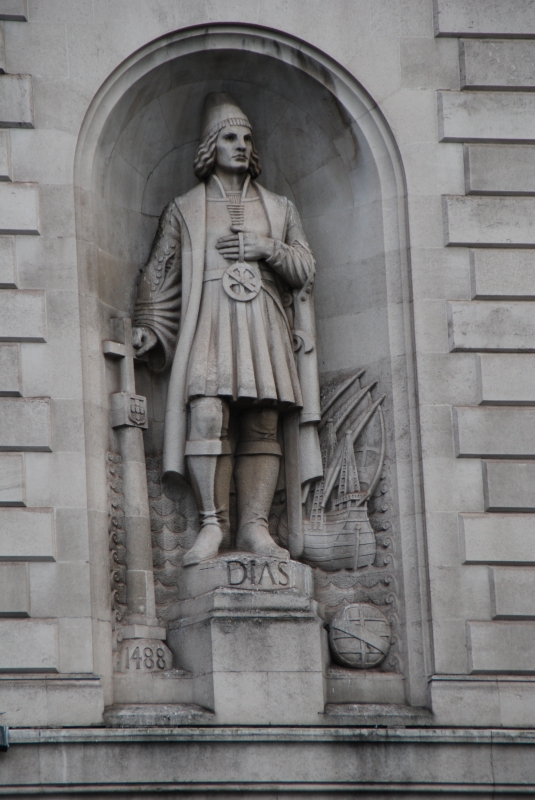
<point>206,154</point>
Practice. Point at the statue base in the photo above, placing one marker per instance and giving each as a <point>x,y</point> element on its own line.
<point>250,635</point>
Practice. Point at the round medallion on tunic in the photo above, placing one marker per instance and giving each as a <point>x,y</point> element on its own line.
<point>241,281</point>
<point>359,636</point>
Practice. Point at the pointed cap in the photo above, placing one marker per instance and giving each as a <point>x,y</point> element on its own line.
<point>220,110</point>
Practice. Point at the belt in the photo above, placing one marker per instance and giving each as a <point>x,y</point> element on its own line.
<point>217,274</point>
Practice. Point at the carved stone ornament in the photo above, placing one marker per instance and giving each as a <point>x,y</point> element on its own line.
<point>359,636</point>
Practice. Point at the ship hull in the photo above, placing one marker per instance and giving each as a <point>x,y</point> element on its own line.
<point>345,541</point>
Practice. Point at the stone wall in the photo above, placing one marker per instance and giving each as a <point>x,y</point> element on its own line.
<point>404,130</point>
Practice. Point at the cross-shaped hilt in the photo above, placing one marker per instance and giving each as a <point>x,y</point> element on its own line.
<point>127,407</point>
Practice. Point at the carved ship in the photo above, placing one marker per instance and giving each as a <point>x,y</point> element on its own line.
<point>338,534</point>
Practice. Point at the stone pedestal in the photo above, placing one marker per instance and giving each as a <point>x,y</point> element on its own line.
<point>250,635</point>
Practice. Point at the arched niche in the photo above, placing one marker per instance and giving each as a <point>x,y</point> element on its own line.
<point>324,144</point>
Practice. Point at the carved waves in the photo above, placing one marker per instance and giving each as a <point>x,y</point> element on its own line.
<point>174,523</point>
<point>117,539</point>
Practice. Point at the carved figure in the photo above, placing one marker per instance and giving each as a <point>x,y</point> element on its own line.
<point>226,302</point>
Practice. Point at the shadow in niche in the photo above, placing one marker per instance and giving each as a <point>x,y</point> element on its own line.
<point>310,150</point>
<point>339,170</point>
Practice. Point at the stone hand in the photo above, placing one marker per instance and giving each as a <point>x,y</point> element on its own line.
<point>255,247</point>
<point>143,340</point>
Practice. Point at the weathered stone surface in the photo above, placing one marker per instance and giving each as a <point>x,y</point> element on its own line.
<point>22,316</point>
<point>512,591</point>
<point>60,590</point>
<point>27,534</point>
<point>253,654</point>
<point>501,647</point>
<point>501,221</point>
<point>10,377</point>
<point>496,64</point>
<point>29,699</point>
<point>166,716</point>
<point>494,432</point>
<point>24,424</point>
<point>8,269</point>
<point>11,480</point>
<point>2,53</point>
<point>29,645</point>
<point>497,538</point>
<point>14,590</point>
<point>506,379</point>
<point>5,157</point>
<point>345,686</point>
<point>509,485</point>
<point>499,169</point>
<point>19,212</point>
<point>486,117</point>
<point>16,103</point>
<point>491,326</point>
<point>484,18</point>
<point>502,274</point>
<point>14,10</point>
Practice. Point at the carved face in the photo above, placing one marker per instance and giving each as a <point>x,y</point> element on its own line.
<point>234,146</point>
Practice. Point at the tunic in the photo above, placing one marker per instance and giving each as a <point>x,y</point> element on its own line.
<point>169,298</point>
<point>241,349</point>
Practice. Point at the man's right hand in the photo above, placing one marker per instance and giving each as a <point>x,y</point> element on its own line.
<point>143,340</point>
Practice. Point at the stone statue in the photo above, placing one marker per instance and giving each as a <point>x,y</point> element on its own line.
<point>226,302</point>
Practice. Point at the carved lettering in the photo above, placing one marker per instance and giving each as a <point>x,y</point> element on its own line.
<point>283,573</point>
<point>265,566</point>
<point>236,570</point>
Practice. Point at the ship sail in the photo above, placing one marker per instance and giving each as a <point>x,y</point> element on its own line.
<point>337,533</point>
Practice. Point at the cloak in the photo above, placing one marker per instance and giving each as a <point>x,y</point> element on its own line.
<point>168,302</point>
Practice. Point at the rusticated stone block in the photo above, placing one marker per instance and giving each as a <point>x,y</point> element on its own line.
<point>484,18</point>
<point>24,424</point>
<point>8,268</point>
<point>11,480</point>
<point>486,117</point>
<point>499,169</point>
<point>5,156</point>
<point>512,592</point>
<point>488,64</point>
<point>501,647</point>
<point>22,316</point>
<point>14,10</point>
<point>497,538</point>
<point>10,375</point>
<point>19,208</point>
<point>14,590</point>
<point>485,432</point>
<point>506,379</point>
<point>502,274</point>
<point>499,221</point>
<point>27,534</point>
<point>16,106</point>
<point>28,645</point>
<point>491,326</point>
<point>509,485</point>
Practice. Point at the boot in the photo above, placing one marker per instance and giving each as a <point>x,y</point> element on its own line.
<point>211,484</point>
<point>256,481</point>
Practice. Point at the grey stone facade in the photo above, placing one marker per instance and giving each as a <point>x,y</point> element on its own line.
<point>404,132</point>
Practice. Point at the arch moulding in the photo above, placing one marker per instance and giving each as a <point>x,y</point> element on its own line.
<point>103,117</point>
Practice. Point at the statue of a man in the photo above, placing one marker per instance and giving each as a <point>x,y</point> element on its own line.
<point>226,300</point>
